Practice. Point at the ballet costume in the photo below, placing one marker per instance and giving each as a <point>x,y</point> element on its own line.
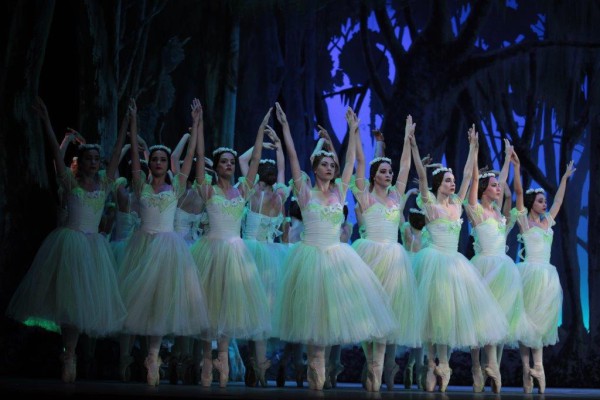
<point>391,264</point>
<point>460,310</point>
<point>158,278</point>
<point>125,224</point>
<point>190,216</point>
<point>72,282</point>
<point>237,300</point>
<point>328,295</point>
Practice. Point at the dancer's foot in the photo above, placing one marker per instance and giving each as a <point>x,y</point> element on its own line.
<point>69,367</point>
<point>152,364</point>
<point>407,378</point>
<point>538,374</point>
<point>478,380</point>
<point>494,373</point>
<point>221,364</point>
<point>443,373</point>
<point>527,380</point>
<point>206,375</point>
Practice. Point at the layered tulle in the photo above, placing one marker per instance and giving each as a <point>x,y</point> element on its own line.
<point>459,309</point>
<point>502,277</point>
<point>391,265</point>
<point>543,296</point>
<point>237,301</point>
<point>161,287</point>
<point>330,296</point>
<point>71,281</point>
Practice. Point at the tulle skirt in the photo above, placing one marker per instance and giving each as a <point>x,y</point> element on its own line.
<point>543,296</point>
<point>502,277</point>
<point>459,309</point>
<point>329,296</point>
<point>118,248</point>
<point>391,265</point>
<point>161,288</point>
<point>72,281</point>
<point>237,300</point>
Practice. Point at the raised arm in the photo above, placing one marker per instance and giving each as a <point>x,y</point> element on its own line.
<point>115,157</point>
<point>244,161</point>
<point>59,163</point>
<point>421,173</point>
<point>472,197</point>
<point>507,204</point>
<point>560,193</point>
<point>176,154</point>
<point>188,160</point>
<point>135,155</point>
<point>379,143</point>
<point>508,149</point>
<point>517,181</point>
<point>200,161</point>
<point>351,151</point>
<point>405,158</point>
<point>327,145</point>
<point>289,145</point>
<point>257,151</point>
<point>360,165</point>
<point>471,160</point>
<point>278,153</point>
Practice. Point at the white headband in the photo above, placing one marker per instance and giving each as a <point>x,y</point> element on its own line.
<point>416,211</point>
<point>441,169</point>
<point>323,153</point>
<point>382,159</point>
<point>538,190</point>
<point>487,175</point>
<point>267,161</point>
<point>224,150</point>
<point>160,147</point>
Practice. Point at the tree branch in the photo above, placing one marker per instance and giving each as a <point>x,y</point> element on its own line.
<point>366,44</point>
<point>387,30</point>
<point>468,34</point>
<point>410,22</point>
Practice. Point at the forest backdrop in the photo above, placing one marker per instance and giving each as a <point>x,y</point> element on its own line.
<point>527,71</point>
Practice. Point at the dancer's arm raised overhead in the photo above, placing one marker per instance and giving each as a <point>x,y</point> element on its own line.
<point>188,160</point>
<point>560,193</point>
<point>405,158</point>
<point>257,150</point>
<point>471,160</point>
<point>289,145</point>
<point>353,121</point>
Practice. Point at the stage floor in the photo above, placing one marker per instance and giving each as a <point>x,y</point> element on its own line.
<point>93,389</point>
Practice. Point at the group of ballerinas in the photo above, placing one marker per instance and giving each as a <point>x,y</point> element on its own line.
<point>215,261</point>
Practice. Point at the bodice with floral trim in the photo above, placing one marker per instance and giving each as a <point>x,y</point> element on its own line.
<point>157,210</point>
<point>85,209</point>
<point>381,222</point>
<point>225,215</point>
<point>490,237</point>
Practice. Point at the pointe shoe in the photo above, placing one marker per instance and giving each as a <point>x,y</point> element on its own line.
<point>334,373</point>
<point>206,375</point>
<point>316,375</point>
<point>125,368</point>
<point>221,364</point>
<point>493,371</point>
<point>363,376</point>
<point>250,375</point>
<point>374,375</point>
<point>430,379</point>
<point>443,373</point>
<point>538,373</point>
<point>152,364</point>
<point>407,377</point>
<point>260,370</point>
<point>478,379</point>
<point>527,380</point>
<point>280,379</point>
<point>69,367</point>
<point>390,373</point>
<point>421,375</point>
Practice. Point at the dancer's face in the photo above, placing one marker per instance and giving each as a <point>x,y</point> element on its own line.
<point>493,189</point>
<point>384,175</point>
<point>539,204</point>
<point>325,169</point>
<point>226,166</point>
<point>159,163</point>
<point>448,185</point>
<point>89,162</point>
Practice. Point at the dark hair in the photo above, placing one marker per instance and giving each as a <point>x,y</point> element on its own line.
<point>167,176</point>
<point>436,181</point>
<point>217,156</point>
<point>317,160</point>
<point>416,220</point>
<point>373,171</point>
<point>294,210</point>
<point>483,184</point>
<point>267,173</point>
<point>529,199</point>
<point>192,174</point>
<point>345,212</point>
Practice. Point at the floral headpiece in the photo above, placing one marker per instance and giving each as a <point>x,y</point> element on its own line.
<point>267,161</point>
<point>382,159</point>
<point>323,153</point>
<point>441,169</point>
<point>538,190</point>
<point>293,198</point>
<point>416,211</point>
<point>487,175</point>
<point>160,147</point>
<point>220,150</point>
<point>86,146</point>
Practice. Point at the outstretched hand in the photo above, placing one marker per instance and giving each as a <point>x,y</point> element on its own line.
<point>352,119</point>
<point>76,136</point>
<point>570,170</point>
<point>378,135</point>
<point>273,136</point>
<point>410,127</point>
<point>132,108</point>
<point>473,136</point>
<point>426,160</point>
<point>197,112</point>
<point>281,117</point>
<point>508,149</point>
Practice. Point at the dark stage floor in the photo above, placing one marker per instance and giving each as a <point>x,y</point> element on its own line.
<point>44,388</point>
